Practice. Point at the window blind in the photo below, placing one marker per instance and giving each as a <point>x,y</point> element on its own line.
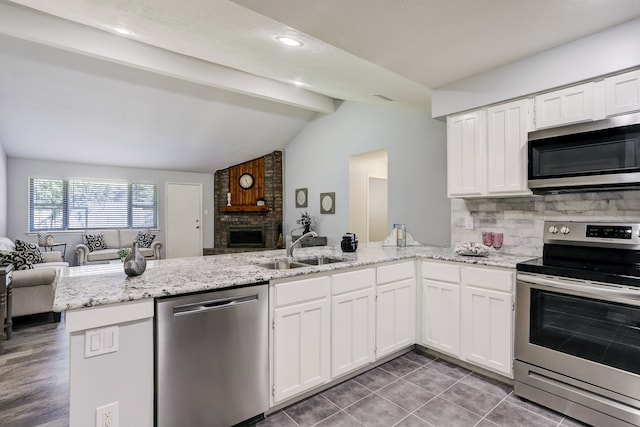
<point>78,204</point>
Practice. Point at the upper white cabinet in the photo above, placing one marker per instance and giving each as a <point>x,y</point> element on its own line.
<point>507,148</point>
<point>301,336</point>
<point>467,154</point>
<point>395,308</point>
<point>622,93</point>
<point>570,105</point>
<point>353,321</point>
<point>486,151</point>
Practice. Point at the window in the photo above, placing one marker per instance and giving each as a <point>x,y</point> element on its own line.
<point>76,204</point>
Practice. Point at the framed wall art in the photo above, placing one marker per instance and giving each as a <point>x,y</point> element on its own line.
<point>327,203</point>
<point>301,198</point>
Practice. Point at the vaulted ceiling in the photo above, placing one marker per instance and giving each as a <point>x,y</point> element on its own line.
<point>198,85</point>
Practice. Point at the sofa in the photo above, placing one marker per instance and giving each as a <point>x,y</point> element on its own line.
<point>102,246</point>
<point>34,283</point>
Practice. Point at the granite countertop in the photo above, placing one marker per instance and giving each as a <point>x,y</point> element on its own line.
<point>101,284</point>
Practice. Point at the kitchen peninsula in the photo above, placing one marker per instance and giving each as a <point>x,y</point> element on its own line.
<point>110,317</point>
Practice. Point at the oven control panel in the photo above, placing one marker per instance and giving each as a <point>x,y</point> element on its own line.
<point>592,234</point>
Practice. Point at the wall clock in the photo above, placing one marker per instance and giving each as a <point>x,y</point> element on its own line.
<point>246,181</point>
<point>301,198</point>
<point>327,203</point>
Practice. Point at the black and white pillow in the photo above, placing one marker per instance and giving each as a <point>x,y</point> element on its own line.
<point>145,239</point>
<point>18,259</point>
<point>95,242</point>
<point>30,251</point>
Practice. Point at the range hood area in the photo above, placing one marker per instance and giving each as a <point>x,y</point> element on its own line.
<point>602,155</point>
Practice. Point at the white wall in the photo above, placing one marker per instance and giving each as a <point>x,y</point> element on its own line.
<point>606,52</point>
<point>19,171</point>
<point>318,159</point>
<point>3,191</point>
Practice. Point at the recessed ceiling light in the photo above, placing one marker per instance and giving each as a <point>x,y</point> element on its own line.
<point>288,41</point>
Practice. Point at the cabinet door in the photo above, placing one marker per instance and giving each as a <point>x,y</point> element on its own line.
<point>622,93</point>
<point>441,316</point>
<point>353,330</point>
<point>301,343</point>
<point>395,316</point>
<point>570,105</point>
<point>466,154</point>
<point>487,328</point>
<point>507,148</point>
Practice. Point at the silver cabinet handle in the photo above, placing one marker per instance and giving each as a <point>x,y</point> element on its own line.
<point>201,307</point>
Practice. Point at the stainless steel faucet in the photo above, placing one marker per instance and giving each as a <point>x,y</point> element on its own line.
<point>290,244</point>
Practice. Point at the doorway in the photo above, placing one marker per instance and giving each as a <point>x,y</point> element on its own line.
<point>184,220</point>
<point>368,199</point>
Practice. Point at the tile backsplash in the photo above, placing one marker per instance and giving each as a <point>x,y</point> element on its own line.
<point>521,219</point>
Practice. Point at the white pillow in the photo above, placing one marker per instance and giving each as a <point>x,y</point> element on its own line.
<point>7,244</point>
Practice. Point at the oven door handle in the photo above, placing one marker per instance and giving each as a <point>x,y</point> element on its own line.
<point>591,290</point>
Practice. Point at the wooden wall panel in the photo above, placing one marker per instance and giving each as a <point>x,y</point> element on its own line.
<point>239,196</point>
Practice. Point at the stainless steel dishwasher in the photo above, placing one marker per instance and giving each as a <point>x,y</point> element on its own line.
<point>212,364</point>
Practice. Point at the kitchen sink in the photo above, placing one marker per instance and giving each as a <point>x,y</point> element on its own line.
<point>282,265</point>
<point>321,260</point>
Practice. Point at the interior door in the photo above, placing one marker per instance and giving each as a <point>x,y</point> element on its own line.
<point>184,220</point>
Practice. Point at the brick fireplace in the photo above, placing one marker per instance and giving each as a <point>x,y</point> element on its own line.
<point>247,227</point>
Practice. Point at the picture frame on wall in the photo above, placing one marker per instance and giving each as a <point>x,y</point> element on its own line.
<point>301,198</point>
<point>328,203</point>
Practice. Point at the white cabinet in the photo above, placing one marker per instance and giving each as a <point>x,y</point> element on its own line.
<point>487,318</point>
<point>395,307</point>
<point>352,320</point>
<point>569,105</point>
<point>622,93</point>
<point>467,312</point>
<point>441,306</point>
<point>301,336</point>
<point>466,154</point>
<point>507,149</point>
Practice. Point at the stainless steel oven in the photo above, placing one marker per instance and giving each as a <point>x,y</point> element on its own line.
<point>577,340</point>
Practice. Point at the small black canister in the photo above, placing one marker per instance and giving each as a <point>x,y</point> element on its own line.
<point>349,242</point>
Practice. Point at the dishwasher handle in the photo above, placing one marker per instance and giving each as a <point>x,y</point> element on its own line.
<point>217,304</point>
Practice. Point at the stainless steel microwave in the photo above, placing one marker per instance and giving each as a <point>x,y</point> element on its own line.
<point>601,155</point>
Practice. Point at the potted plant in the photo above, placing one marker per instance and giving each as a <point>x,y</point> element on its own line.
<point>306,221</point>
<point>260,201</point>
<point>123,252</point>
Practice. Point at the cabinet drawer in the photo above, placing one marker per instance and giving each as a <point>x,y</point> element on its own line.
<point>301,290</point>
<point>498,280</point>
<point>396,272</point>
<point>441,272</point>
<point>352,281</point>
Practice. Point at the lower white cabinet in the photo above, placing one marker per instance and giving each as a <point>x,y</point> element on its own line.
<point>487,318</point>
<point>467,312</point>
<point>395,307</point>
<point>301,325</point>
<point>353,321</point>
<point>441,307</point>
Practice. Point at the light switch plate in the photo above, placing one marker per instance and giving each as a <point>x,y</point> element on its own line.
<point>100,341</point>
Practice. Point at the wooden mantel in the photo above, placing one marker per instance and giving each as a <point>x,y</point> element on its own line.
<point>248,208</point>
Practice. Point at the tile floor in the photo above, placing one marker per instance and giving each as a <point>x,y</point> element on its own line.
<point>417,390</point>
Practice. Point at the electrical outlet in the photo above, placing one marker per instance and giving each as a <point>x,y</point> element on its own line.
<point>107,415</point>
<point>468,223</point>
